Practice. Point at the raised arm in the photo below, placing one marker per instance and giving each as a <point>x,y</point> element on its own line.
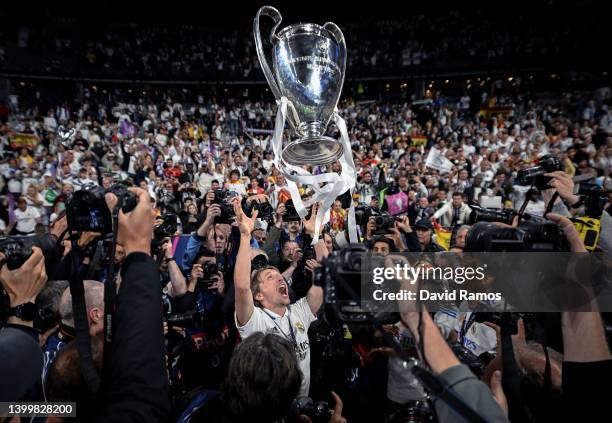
<point>314,297</point>
<point>242,271</point>
<point>177,286</point>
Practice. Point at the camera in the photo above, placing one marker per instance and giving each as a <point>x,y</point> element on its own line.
<point>259,262</point>
<point>482,214</point>
<point>384,224</point>
<point>224,199</point>
<point>340,276</point>
<point>87,210</point>
<point>535,175</point>
<point>315,411</point>
<point>18,249</point>
<point>189,319</point>
<point>533,234</point>
<point>414,412</point>
<point>476,363</point>
<point>210,270</point>
<point>363,214</point>
<point>166,228</point>
<point>291,214</point>
<point>594,199</point>
<point>265,210</point>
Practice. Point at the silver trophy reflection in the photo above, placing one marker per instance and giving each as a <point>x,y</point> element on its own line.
<point>309,64</point>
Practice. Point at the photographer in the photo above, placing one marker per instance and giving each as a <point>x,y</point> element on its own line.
<point>22,360</point>
<point>200,236</point>
<point>490,404</point>
<point>177,286</point>
<point>205,345</point>
<point>421,238</point>
<point>262,299</point>
<point>94,308</point>
<point>587,361</point>
<point>573,205</point>
<point>136,387</point>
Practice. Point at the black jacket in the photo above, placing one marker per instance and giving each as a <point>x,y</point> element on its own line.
<point>135,388</point>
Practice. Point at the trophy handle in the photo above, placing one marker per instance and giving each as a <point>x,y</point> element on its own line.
<point>277,18</point>
<point>339,36</point>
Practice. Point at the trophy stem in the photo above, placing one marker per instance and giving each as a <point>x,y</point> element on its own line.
<point>310,129</point>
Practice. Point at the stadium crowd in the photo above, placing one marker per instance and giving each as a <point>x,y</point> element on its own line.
<point>251,279</point>
<point>183,50</point>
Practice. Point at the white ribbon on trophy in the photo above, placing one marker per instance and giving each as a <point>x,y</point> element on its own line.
<point>335,184</point>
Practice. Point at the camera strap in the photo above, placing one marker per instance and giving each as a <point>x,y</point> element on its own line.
<point>81,324</point>
<point>110,292</point>
<point>551,203</point>
<point>95,260</point>
<point>511,383</point>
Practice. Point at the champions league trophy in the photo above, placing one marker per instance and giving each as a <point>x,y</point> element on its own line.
<point>309,64</point>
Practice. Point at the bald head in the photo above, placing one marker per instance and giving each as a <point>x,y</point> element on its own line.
<point>94,303</point>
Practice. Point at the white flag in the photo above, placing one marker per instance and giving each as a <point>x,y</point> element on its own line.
<point>437,161</point>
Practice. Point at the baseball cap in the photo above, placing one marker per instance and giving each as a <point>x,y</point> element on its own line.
<point>424,223</point>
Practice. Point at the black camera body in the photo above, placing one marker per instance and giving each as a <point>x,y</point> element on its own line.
<point>532,235</point>
<point>594,199</point>
<point>210,270</point>
<point>384,224</point>
<point>224,199</point>
<point>317,412</point>
<point>363,214</point>
<point>340,276</point>
<point>535,175</point>
<point>482,214</point>
<point>183,320</point>
<point>265,210</point>
<point>166,228</point>
<point>291,214</point>
<point>18,249</point>
<point>87,210</point>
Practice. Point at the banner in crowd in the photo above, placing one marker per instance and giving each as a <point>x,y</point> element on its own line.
<point>436,160</point>
<point>20,140</point>
<point>494,111</point>
<point>418,140</point>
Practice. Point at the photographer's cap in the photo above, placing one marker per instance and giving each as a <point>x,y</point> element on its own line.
<point>424,223</point>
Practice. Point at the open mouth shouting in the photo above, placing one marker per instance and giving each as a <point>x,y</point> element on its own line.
<point>283,289</point>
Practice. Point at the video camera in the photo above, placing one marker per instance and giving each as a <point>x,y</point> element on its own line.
<point>535,175</point>
<point>87,210</point>
<point>340,277</point>
<point>532,234</point>
<point>482,214</point>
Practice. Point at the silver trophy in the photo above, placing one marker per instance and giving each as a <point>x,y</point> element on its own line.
<point>309,62</point>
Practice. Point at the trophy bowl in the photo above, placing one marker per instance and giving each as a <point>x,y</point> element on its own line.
<point>309,64</point>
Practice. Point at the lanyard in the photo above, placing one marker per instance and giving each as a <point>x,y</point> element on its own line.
<point>465,326</point>
<point>290,338</point>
